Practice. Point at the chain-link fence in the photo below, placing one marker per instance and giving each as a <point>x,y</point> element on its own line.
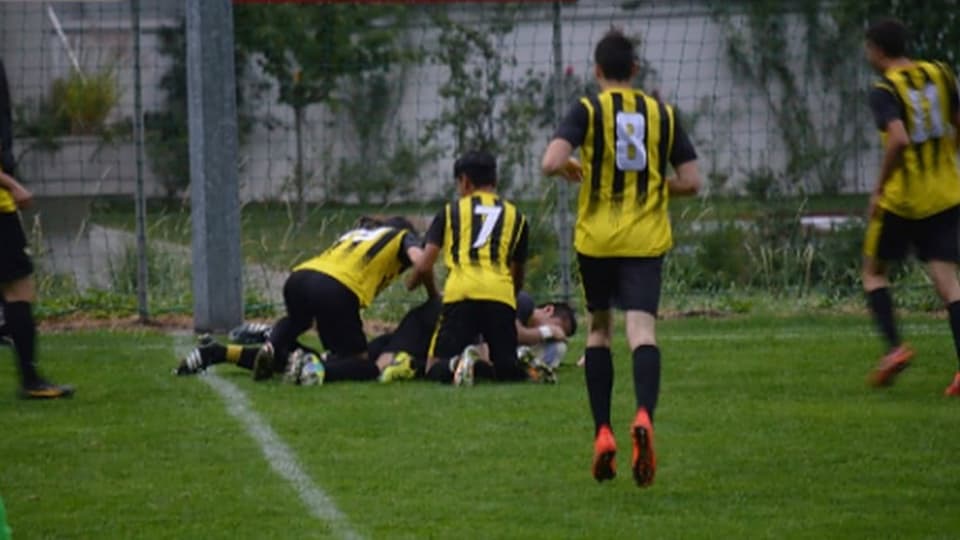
<point>353,109</point>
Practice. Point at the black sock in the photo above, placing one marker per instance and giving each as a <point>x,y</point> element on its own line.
<point>350,369</point>
<point>440,371</point>
<point>954,310</point>
<point>23,331</point>
<point>881,304</point>
<point>247,357</point>
<point>598,368</point>
<point>646,377</point>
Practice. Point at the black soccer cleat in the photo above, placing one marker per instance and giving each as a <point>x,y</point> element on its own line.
<point>198,359</point>
<point>250,334</point>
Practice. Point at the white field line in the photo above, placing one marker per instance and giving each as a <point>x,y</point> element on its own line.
<point>280,457</point>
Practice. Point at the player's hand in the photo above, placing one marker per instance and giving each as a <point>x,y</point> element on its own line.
<point>21,196</point>
<point>557,333</point>
<point>572,171</point>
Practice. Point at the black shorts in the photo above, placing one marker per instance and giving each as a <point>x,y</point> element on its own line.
<point>461,322</point>
<point>15,260</point>
<point>891,237</point>
<point>627,283</point>
<point>316,298</point>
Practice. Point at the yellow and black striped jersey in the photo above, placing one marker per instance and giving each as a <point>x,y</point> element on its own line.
<point>924,96</point>
<point>480,235</point>
<point>626,139</point>
<point>366,261</point>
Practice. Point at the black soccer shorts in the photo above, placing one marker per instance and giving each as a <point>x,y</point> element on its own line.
<point>461,322</point>
<point>627,283</point>
<point>936,238</point>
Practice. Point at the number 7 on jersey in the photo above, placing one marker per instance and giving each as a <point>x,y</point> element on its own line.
<point>491,215</point>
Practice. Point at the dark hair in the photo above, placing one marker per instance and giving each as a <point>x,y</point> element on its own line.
<point>616,56</point>
<point>399,222</point>
<point>480,167</point>
<point>564,311</point>
<point>369,222</point>
<point>890,36</point>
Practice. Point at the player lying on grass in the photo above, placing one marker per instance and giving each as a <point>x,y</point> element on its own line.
<point>402,354</point>
<point>328,292</point>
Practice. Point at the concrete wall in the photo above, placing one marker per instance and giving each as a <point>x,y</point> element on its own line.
<point>736,133</point>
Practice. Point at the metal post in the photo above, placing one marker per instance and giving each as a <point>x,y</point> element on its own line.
<point>141,198</point>
<point>214,190</point>
<point>563,197</point>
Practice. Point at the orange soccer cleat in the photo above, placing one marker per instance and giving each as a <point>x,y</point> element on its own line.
<point>890,365</point>
<point>644,460</point>
<point>954,388</point>
<point>604,455</point>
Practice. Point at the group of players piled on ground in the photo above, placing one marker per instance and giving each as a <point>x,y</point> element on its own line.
<point>627,142</point>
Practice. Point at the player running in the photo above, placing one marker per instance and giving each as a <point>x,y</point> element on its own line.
<point>626,139</point>
<point>916,203</point>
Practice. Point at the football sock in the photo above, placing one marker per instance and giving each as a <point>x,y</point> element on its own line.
<point>440,371</point>
<point>598,369</point>
<point>646,377</point>
<point>954,310</point>
<point>237,354</point>
<point>881,304</point>
<point>247,356</point>
<point>22,330</point>
<point>350,369</point>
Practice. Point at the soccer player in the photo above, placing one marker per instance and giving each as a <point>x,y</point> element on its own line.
<point>484,243</point>
<point>916,202</point>
<point>17,287</point>
<point>402,354</point>
<point>626,140</point>
<point>328,290</point>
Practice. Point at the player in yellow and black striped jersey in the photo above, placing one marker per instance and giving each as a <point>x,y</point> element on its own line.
<point>627,140</point>
<point>17,286</point>
<point>916,203</point>
<point>483,239</point>
<point>328,291</point>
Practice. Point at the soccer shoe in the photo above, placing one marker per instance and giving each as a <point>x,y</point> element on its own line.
<point>198,359</point>
<point>400,369</point>
<point>463,374</point>
<point>45,390</point>
<point>890,365</point>
<point>954,388</point>
<point>263,363</point>
<point>250,333</point>
<point>644,460</point>
<point>604,455</point>
<point>531,358</point>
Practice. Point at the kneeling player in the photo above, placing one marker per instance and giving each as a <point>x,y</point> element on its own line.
<point>484,243</point>
<point>327,291</point>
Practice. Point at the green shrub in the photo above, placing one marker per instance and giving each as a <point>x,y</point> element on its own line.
<point>83,102</point>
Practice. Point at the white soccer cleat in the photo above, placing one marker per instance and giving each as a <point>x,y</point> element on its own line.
<point>463,375</point>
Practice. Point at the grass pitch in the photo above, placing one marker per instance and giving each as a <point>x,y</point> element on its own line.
<point>765,429</point>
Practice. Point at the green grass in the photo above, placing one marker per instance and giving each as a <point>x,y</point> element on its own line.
<point>765,430</point>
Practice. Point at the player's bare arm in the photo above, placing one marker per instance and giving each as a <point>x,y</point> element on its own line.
<point>558,161</point>
<point>21,196</point>
<point>519,274</point>
<point>897,141</point>
<point>687,180</point>
<point>536,335</point>
<point>415,279</point>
